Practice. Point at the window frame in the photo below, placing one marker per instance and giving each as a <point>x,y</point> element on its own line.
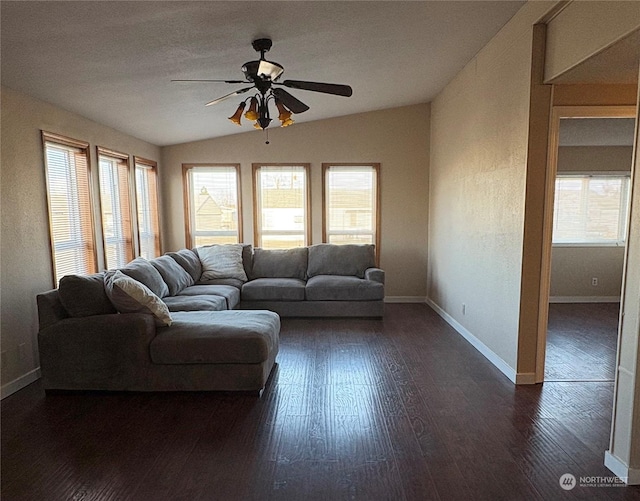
<point>186,191</point>
<point>375,166</point>
<point>623,215</point>
<point>152,166</point>
<point>84,147</point>
<point>257,221</point>
<point>107,152</point>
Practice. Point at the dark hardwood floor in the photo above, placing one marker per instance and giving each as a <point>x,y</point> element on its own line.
<point>402,408</point>
<point>581,342</point>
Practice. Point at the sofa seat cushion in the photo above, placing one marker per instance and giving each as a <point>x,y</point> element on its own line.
<point>341,288</point>
<point>222,281</point>
<point>273,289</point>
<point>229,293</point>
<point>195,303</point>
<point>223,337</point>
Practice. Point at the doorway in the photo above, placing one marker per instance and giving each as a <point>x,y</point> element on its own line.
<point>590,159</point>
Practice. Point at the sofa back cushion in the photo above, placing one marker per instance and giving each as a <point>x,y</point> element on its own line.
<point>84,295</point>
<point>280,263</point>
<point>347,260</point>
<point>143,271</point>
<point>222,261</point>
<point>174,275</point>
<point>189,260</point>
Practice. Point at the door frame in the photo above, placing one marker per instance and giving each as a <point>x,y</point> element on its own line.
<point>558,113</point>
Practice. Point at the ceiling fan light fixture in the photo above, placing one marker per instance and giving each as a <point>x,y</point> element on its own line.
<point>287,122</point>
<point>235,118</point>
<point>269,70</point>
<point>285,114</point>
<point>252,112</point>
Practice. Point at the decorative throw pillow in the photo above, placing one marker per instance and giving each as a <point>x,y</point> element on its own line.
<point>222,261</point>
<point>130,296</point>
<point>174,275</point>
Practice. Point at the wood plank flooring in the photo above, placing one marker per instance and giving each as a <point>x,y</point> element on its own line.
<point>581,342</point>
<point>395,409</point>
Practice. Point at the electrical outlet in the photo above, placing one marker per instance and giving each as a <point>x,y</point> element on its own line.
<point>464,309</point>
<point>594,281</point>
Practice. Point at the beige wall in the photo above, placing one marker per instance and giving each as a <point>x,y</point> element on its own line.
<point>396,138</point>
<point>479,134</point>
<point>583,29</point>
<point>572,268</point>
<point>26,253</point>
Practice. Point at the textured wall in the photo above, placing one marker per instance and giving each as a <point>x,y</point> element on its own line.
<point>397,138</point>
<point>479,134</point>
<point>26,252</point>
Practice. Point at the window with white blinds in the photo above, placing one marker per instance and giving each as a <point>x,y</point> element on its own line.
<point>281,206</point>
<point>115,206</point>
<point>591,209</point>
<point>147,208</point>
<point>212,194</point>
<point>351,204</point>
<point>69,204</point>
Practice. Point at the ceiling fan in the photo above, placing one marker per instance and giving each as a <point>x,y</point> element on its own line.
<point>263,75</point>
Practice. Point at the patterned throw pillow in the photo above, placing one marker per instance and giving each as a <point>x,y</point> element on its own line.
<point>130,296</point>
<point>222,261</point>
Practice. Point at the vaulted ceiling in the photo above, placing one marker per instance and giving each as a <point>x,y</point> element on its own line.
<point>113,61</point>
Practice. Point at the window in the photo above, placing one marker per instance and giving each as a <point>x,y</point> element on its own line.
<point>115,204</point>
<point>590,209</point>
<point>212,195</point>
<point>69,204</point>
<point>351,212</point>
<point>281,207</point>
<point>147,205</point>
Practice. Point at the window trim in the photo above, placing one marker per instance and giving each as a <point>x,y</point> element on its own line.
<point>376,168</point>
<point>108,152</point>
<point>624,203</point>
<point>186,190</point>
<point>52,137</point>
<point>153,165</point>
<point>255,167</point>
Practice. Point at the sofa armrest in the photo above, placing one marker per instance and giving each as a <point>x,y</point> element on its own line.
<point>100,346</point>
<point>374,274</point>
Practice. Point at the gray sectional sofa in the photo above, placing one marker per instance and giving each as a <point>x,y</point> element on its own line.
<point>202,319</point>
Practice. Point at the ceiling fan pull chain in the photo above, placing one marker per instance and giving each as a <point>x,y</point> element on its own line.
<point>267,141</point>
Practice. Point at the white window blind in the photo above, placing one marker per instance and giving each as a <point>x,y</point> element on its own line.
<point>351,211</point>
<point>147,205</point>
<point>115,202</point>
<point>70,208</point>
<point>213,195</point>
<point>281,206</point>
<point>591,209</point>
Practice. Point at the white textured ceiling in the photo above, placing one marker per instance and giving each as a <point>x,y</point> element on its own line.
<point>113,61</point>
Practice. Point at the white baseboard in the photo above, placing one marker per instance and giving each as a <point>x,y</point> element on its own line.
<point>584,299</point>
<point>630,476</point>
<point>19,383</point>
<point>405,299</point>
<point>489,354</point>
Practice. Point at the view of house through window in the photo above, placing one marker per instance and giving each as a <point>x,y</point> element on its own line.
<point>351,209</point>
<point>213,196</point>
<point>591,209</point>
<point>147,208</point>
<point>115,205</point>
<point>281,205</point>
<point>70,212</point>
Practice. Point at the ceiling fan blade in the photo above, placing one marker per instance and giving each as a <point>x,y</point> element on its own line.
<point>219,81</point>
<point>227,96</point>
<point>294,104</point>
<point>327,88</point>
